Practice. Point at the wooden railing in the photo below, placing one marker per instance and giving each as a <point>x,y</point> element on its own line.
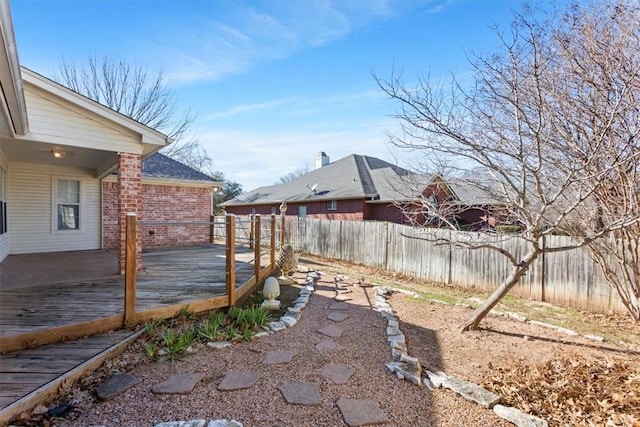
<point>233,293</point>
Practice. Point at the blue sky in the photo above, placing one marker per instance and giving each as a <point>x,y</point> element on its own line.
<point>272,82</point>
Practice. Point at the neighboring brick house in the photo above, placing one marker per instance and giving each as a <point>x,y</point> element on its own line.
<point>171,192</point>
<point>365,188</point>
<point>353,188</point>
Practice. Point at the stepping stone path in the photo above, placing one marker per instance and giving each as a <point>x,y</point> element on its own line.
<point>358,412</point>
<point>339,306</point>
<point>237,380</point>
<point>337,316</point>
<point>276,357</point>
<point>178,384</point>
<point>337,373</point>
<point>301,393</point>
<point>116,385</point>
<point>355,412</point>
<point>331,331</point>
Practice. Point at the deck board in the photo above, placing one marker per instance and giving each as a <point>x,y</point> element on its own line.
<point>22,372</point>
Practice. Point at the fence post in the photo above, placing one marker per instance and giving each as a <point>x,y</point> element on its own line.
<point>212,233</point>
<point>131,252</point>
<point>272,252</point>
<point>257,235</point>
<point>543,276</point>
<point>231,258</point>
<point>251,231</point>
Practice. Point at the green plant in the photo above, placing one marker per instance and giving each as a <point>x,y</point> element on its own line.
<point>150,327</point>
<point>247,334</point>
<point>232,333</point>
<point>233,313</point>
<point>151,349</point>
<point>252,318</point>
<point>209,329</point>
<point>185,314</point>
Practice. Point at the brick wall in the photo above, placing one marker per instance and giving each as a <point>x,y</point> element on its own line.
<point>164,203</point>
<point>129,187</point>
<point>161,203</point>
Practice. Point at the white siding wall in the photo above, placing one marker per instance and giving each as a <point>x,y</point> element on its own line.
<point>4,238</point>
<point>30,210</point>
<point>61,123</point>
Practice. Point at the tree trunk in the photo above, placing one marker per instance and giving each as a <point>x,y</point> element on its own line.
<point>504,288</point>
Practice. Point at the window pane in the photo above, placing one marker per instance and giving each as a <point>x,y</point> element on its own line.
<point>68,191</point>
<point>68,217</point>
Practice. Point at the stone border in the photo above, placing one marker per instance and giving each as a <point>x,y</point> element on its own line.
<point>408,367</point>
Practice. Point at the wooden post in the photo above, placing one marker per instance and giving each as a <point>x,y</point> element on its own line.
<point>257,234</point>
<point>131,252</point>
<point>251,231</point>
<point>231,258</point>
<point>282,230</point>
<point>272,250</point>
<point>212,229</point>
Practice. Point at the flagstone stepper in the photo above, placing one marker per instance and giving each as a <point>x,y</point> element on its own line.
<point>339,306</point>
<point>301,393</point>
<point>275,357</point>
<point>361,412</point>
<point>338,374</point>
<point>237,380</point>
<point>331,331</point>
<point>337,316</point>
<point>178,384</point>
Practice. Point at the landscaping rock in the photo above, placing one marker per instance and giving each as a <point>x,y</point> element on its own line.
<point>276,357</point>
<point>339,374</point>
<point>331,331</point>
<point>237,380</point>
<point>288,321</point>
<point>472,392</point>
<point>301,393</point>
<point>339,306</point>
<point>358,412</point>
<point>219,344</point>
<point>519,418</point>
<point>337,316</point>
<point>277,326</point>
<point>178,384</point>
<point>436,378</point>
<point>116,385</point>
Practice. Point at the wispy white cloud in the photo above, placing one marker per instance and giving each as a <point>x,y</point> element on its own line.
<point>242,36</point>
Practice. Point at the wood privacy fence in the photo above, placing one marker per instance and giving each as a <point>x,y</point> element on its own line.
<point>568,278</point>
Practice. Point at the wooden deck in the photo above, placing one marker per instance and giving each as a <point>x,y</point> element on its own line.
<point>31,304</point>
<point>37,373</point>
<point>169,277</point>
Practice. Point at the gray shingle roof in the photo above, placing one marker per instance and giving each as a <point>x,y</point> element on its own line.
<point>158,165</point>
<point>352,177</point>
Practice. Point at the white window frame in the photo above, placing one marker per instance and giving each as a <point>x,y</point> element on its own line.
<point>54,205</point>
<point>302,211</point>
<point>332,205</point>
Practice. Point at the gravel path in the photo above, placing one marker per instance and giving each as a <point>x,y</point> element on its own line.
<point>364,348</point>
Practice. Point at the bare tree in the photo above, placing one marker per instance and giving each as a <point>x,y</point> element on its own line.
<point>129,89</point>
<point>302,170</point>
<point>552,122</point>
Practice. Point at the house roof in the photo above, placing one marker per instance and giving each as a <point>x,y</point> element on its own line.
<point>14,111</point>
<point>161,166</point>
<point>352,177</point>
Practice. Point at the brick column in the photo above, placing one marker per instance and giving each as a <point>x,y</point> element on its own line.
<point>129,200</point>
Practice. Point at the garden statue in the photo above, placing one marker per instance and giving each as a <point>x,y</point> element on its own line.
<point>287,261</point>
<point>271,291</point>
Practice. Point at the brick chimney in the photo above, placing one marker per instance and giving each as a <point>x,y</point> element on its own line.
<point>321,160</point>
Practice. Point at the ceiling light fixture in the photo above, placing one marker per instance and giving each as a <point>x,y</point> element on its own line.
<point>58,154</point>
